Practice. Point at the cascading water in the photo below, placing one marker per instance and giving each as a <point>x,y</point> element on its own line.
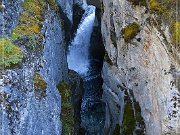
<point>78,49</point>
<point>80,60</point>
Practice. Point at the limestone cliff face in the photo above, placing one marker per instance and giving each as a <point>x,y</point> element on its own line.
<point>30,103</point>
<point>147,65</point>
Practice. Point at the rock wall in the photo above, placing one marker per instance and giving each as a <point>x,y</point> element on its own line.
<point>66,6</point>
<point>30,103</point>
<point>9,14</point>
<point>147,64</point>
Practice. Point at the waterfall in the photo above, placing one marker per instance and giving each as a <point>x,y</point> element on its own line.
<point>80,60</point>
<point>79,47</point>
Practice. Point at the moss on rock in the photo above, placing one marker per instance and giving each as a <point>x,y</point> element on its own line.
<point>31,18</point>
<point>166,11</point>
<point>165,8</point>
<point>176,33</point>
<point>130,31</point>
<point>10,55</point>
<point>128,124</point>
<point>39,82</point>
<point>67,111</point>
<point>156,6</point>
<point>138,2</point>
<point>40,86</point>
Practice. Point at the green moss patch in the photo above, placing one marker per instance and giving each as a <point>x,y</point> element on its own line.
<point>128,124</point>
<point>176,33</point>
<point>130,31</point>
<point>67,111</point>
<point>156,6</point>
<point>10,55</point>
<point>138,2</point>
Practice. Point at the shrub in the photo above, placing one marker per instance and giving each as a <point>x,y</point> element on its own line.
<point>10,55</point>
<point>130,31</point>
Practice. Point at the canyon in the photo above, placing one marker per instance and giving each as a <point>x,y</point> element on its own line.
<point>95,67</point>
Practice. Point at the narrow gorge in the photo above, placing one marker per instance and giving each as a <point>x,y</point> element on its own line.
<point>89,67</point>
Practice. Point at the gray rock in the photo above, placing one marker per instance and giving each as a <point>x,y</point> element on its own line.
<point>21,112</point>
<point>9,14</point>
<point>143,65</point>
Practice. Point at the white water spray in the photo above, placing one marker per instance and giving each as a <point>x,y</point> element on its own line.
<point>78,49</point>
